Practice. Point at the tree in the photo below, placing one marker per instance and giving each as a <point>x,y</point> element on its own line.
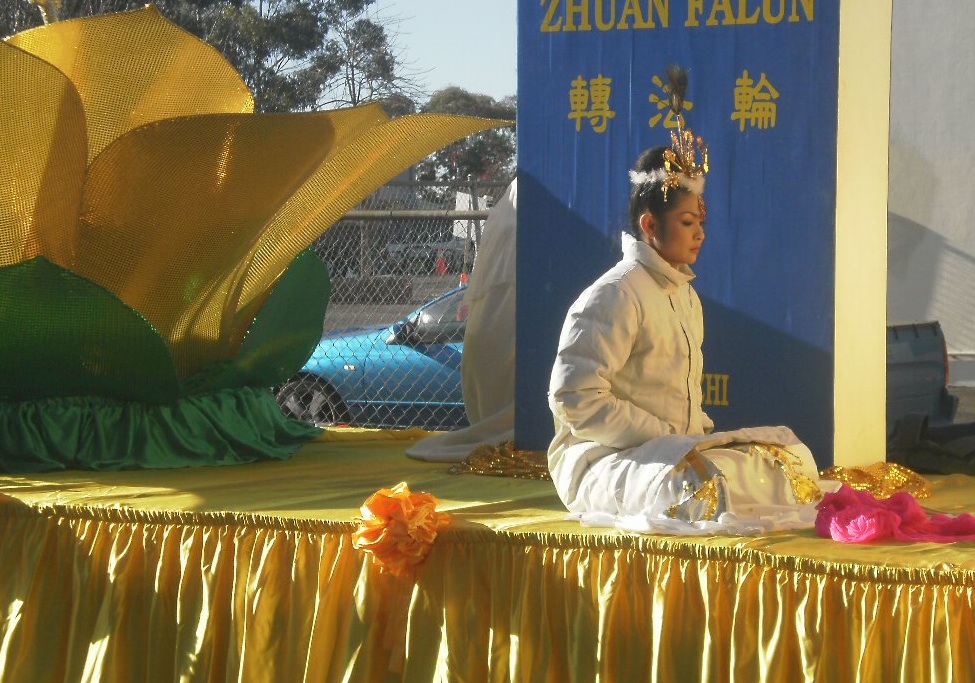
<point>370,68</point>
<point>295,55</point>
<point>18,15</point>
<point>487,156</point>
<point>309,54</point>
<point>399,104</point>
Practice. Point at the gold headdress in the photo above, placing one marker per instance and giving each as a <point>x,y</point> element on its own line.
<point>680,161</point>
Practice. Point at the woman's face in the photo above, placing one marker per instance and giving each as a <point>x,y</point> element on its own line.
<point>678,234</point>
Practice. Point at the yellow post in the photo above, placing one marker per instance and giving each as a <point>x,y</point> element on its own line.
<point>860,386</point>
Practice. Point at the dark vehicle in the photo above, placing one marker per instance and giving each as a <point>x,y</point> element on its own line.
<point>917,374</point>
<point>404,375</point>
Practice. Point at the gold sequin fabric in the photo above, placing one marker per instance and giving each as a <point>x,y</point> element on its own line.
<point>882,479</point>
<point>504,460</point>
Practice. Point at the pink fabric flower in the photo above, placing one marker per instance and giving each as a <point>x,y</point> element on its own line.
<point>851,516</point>
<point>861,526</point>
<point>832,504</point>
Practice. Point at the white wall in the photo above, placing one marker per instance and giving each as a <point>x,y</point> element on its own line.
<point>931,203</point>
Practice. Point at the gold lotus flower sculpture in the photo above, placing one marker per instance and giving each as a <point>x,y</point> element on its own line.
<point>148,217</point>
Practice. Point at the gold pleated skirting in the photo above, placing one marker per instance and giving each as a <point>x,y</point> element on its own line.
<point>248,573</point>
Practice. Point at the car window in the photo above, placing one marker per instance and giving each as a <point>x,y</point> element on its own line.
<point>443,321</point>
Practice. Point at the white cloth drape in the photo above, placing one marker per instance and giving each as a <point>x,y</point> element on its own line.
<point>488,362</point>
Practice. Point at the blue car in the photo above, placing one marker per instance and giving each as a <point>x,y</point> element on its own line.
<point>404,375</point>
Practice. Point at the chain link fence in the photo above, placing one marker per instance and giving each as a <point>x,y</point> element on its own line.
<point>393,332</point>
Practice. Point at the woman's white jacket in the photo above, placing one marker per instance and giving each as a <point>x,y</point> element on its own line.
<point>628,367</point>
<point>626,396</point>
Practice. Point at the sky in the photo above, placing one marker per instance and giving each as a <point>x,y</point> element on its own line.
<point>468,43</point>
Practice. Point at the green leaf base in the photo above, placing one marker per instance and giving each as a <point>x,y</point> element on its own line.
<point>226,427</point>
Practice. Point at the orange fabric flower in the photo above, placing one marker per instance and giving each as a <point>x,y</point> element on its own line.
<point>398,527</point>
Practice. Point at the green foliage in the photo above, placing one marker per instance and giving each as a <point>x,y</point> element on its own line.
<point>295,55</point>
<point>290,51</point>
<point>399,105</point>
<point>18,15</point>
<point>487,156</point>
<point>366,64</point>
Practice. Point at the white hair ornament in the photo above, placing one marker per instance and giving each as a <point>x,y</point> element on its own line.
<point>641,177</point>
<point>694,185</point>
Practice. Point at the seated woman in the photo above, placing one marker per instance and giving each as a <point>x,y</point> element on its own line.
<point>633,447</point>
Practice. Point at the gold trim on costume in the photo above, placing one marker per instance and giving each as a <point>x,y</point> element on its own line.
<point>707,494</point>
<point>804,489</point>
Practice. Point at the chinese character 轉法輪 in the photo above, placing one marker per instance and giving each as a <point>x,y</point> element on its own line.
<point>755,102</point>
<point>590,100</point>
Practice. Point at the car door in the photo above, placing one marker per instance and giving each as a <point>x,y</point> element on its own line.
<point>414,379</point>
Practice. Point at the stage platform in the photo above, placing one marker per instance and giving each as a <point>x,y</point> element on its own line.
<point>248,574</point>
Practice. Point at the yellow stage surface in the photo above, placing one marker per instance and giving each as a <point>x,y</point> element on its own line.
<point>248,573</point>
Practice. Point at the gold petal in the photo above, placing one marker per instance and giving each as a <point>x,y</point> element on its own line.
<point>42,144</point>
<point>343,180</point>
<point>172,209</point>
<point>133,68</point>
<point>349,124</point>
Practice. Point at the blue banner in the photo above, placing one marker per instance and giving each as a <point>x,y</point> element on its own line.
<point>592,94</point>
